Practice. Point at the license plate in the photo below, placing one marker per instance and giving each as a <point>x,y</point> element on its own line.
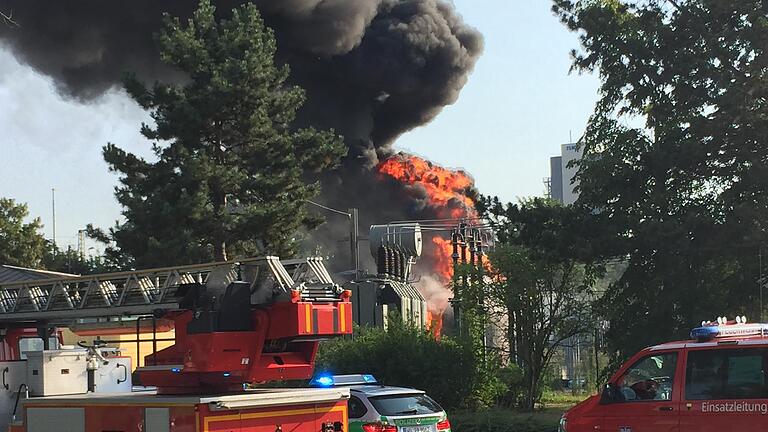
<point>416,429</point>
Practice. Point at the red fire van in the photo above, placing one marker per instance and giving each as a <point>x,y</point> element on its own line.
<point>715,382</point>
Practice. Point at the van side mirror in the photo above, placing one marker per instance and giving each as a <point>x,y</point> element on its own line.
<point>611,394</point>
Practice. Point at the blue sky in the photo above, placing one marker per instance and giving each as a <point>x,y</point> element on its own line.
<point>517,108</point>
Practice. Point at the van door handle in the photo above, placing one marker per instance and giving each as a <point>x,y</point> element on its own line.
<point>666,408</point>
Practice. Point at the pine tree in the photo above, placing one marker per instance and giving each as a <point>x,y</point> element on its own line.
<point>230,176</point>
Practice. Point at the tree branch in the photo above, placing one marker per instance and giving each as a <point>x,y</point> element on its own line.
<point>8,19</point>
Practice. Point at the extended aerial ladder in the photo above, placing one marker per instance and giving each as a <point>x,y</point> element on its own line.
<point>236,322</point>
<point>146,291</point>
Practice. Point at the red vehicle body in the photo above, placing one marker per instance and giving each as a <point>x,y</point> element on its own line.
<point>270,410</point>
<point>707,385</point>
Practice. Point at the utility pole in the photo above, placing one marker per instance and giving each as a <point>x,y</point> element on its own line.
<point>596,343</point>
<point>457,291</point>
<point>53,209</point>
<point>354,233</point>
<point>760,281</point>
<point>354,240</point>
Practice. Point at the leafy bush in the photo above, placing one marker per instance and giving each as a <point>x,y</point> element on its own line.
<point>406,356</point>
<point>512,378</point>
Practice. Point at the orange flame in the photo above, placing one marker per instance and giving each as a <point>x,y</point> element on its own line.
<point>443,258</point>
<point>435,323</point>
<point>447,196</point>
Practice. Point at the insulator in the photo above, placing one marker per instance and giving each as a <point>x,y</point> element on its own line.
<point>390,260</point>
<point>455,244</point>
<point>403,266</point>
<point>396,261</point>
<point>381,261</point>
<point>471,249</point>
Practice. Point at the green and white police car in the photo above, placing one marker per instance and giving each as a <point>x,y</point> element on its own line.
<point>378,408</point>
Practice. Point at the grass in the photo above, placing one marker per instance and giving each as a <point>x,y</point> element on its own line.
<point>561,398</point>
<point>544,419</point>
<point>505,420</point>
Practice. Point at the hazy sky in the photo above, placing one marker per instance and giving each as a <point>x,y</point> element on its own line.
<point>518,107</point>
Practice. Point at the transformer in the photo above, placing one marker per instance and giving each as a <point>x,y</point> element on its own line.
<point>376,297</point>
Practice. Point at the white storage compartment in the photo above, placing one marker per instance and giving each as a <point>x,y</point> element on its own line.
<point>114,377</point>
<point>61,372</point>
<point>14,373</point>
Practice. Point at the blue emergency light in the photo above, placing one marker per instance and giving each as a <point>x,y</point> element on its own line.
<point>342,380</point>
<point>322,381</point>
<point>722,328</point>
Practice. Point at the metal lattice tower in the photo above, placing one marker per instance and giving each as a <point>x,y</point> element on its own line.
<point>81,243</point>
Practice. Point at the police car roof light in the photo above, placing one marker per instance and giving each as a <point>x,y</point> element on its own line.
<point>341,380</point>
<point>370,379</point>
<point>322,381</point>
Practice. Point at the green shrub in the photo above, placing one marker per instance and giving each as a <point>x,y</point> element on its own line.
<point>511,377</point>
<point>406,356</point>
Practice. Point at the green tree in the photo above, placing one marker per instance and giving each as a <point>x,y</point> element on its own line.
<point>21,244</point>
<point>675,157</point>
<point>403,355</point>
<point>230,172</point>
<point>539,283</point>
<point>70,261</point>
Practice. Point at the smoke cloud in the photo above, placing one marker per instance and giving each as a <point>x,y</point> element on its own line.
<point>373,69</point>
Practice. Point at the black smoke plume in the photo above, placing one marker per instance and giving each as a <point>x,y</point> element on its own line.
<point>373,69</point>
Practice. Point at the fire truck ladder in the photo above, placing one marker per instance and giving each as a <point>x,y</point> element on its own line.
<point>142,292</point>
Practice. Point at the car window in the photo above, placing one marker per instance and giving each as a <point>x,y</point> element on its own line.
<point>650,378</point>
<point>35,344</point>
<point>357,408</point>
<point>726,374</point>
<point>412,404</point>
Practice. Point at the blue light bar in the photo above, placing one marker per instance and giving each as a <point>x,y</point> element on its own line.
<point>712,331</point>
<point>342,380</point>
<point>370,379</point>
<point>322,381</point>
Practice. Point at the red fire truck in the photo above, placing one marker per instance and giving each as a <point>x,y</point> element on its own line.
<point>237,324</point>
<point>714,382</point>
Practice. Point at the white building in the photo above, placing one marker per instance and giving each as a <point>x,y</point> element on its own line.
<point>562,177</point>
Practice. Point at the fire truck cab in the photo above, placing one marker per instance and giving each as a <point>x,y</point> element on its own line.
<point>15,342</point>
<point>716,381</point>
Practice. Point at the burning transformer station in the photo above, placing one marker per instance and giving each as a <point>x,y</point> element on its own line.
<point>399,287</point>
<point>375,297</point>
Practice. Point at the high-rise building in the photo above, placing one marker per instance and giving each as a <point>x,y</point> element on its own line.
<point>562,176</point>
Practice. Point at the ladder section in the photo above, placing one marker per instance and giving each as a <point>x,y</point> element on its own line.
<point>142,291</point>
<point>314,281</point>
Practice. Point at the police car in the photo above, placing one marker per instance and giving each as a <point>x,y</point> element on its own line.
<point>378,408</point>
<point>717,381</point>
